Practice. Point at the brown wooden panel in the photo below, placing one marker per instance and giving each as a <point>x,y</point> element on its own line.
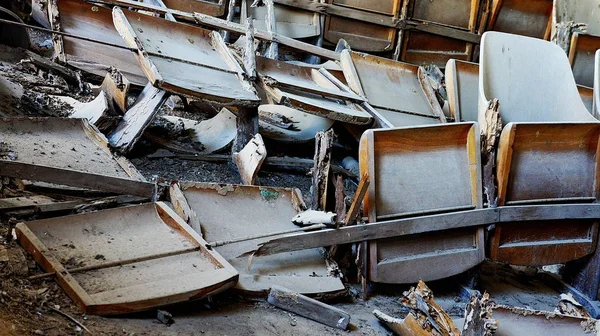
<point>362,35</point>
<point>424,48</point>
<point>212,8</point>
<point>543,242</point>
<point>381,6</point>
<point>455,13</point>
<point>582,56</point>
<point>522,17</point>
<point>549,161</point>
<point>428,255</point>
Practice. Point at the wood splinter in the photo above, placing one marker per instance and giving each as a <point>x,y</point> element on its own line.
<point>250,159</point>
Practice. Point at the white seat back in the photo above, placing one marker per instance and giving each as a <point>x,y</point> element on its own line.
<point>530,77</point>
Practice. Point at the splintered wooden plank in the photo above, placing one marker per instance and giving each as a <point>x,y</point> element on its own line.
<point>93,21</point>
<point>250,159</point>
<point>227,212</point>
<point>132,254</point>
<point>137,119</point>
<point>181,58</point>
<point>392,88</point>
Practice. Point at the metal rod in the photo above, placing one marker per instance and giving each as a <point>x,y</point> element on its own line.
<point>119,262</point>
<point>237,240</point>
<point>66,34</point>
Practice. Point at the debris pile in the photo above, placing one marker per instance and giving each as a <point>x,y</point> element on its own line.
<point>159,152</point>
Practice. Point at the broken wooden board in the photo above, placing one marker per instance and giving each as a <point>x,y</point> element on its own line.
<point>249,160</point>
<point>582,57</point>
<point>513,321</point>
<point>129,255</point>
<point>124,137</point>
<point>528,18</point>
<point>95,22</point>
<point>227,212</point>
<point>392,88</point>
<point>184,59</point>
<point>360,34</point>
<point>416,171</point>
<point>425,48</point>
<point>290,22</point>
<point>286,124</point>
<point>214,134</point>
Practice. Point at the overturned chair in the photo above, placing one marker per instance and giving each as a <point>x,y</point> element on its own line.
<point>547,151</point>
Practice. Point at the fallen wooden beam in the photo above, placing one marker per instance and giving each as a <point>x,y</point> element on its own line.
<point>321,170</point>
<point>427,223</point>
<point>61,176</point>
<point>309,308</point>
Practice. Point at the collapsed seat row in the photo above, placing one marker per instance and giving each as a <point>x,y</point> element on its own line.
<point>547,153</point>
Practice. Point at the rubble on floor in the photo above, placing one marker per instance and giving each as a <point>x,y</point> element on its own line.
<point>293,167</point>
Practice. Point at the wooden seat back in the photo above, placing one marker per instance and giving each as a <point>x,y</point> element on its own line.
<point>416,171</point>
